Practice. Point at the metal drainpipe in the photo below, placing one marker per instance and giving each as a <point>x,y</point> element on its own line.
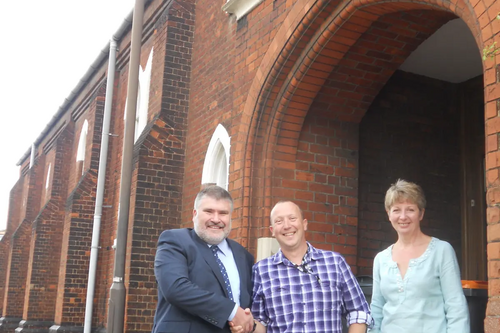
<point>101,180</point>
<point>117,293</point>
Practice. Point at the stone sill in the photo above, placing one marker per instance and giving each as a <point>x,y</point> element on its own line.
<point>240,8</point>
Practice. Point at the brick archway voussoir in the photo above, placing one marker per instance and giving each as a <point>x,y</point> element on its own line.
<point>280,94</point>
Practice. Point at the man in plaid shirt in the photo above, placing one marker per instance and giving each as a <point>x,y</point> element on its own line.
<point>301,288</point>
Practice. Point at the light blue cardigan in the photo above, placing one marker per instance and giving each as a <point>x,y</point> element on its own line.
<point>429,299</point>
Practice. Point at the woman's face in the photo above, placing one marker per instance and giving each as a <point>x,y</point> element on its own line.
<point>405,217</point>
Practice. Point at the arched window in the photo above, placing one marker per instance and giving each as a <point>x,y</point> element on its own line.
<point>216,166</point>
<point>46,194</point>
<point>82,145</point>
<point>141,115</point>
<point>47,182</point>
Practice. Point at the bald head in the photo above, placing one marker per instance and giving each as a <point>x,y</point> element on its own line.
<point>281,203</point>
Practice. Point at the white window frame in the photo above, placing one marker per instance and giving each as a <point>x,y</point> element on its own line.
<point>141,118</point>
<point>82,144</point>
<point>240,8</point>
<point>47,181</point>
<point>216,166</point>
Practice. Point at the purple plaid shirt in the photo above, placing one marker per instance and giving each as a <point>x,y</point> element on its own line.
<point>307,299</point>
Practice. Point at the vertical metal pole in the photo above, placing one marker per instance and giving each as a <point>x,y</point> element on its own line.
<point>101,180</point>
<point>116,308</point>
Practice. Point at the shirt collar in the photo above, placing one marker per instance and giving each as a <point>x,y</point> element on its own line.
<point>311,254</point>
<point>223,247</point>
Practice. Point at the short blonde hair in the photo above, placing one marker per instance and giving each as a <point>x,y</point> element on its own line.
<point>403,190</point>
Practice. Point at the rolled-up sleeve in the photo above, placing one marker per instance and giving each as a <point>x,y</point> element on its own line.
<point>356,308</point>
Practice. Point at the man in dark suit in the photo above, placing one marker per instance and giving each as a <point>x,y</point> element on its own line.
<point>204,279</point>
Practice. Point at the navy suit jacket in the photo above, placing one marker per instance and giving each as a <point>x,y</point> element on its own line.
<point>192,296</point>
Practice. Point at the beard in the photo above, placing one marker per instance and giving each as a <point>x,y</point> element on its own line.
<point>210,238</point>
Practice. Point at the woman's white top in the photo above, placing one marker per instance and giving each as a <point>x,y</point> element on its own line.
<point>429,299</point>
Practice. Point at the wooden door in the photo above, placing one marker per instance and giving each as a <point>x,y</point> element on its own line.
<point>471,101</point>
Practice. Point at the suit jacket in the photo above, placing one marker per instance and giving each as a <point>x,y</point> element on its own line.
<point>192,296</point>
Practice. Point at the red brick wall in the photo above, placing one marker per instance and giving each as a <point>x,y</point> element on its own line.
<point>15,203</point>
<point>40,298</point>
<point>17,272</point>
<point>211,91</point>
<point>47,175</point>
<point>74,263</point>
<point>411,131</point>
<point>323,182</point>
<point>151,37</point>
<point>160,155</point>
<point>157,208</point>
<point>233,64</point>
<point>4,248</point>
<point>111,193</point>
<point>220,82</point>
<point>75,224</point>
<point>20,243</point>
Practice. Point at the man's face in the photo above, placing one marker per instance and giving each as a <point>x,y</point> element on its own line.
<point>212,220</point>
<point>288,226</point>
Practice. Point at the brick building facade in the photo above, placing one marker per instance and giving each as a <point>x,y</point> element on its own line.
<point>313,107</point>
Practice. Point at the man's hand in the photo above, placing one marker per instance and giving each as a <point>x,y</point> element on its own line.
<point>242,318</point>
<point>235,329</point>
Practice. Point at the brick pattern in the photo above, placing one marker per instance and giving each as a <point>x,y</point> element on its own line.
<point>290,82</point>
<point>263,105</point>
<point>355,50</point>
<point>411,131</point>
<point>368,62</point>
<point>157,208</point>
<point>46,237</point>
<point>20,244</point>
<point>12,224</point>
<point>75,253</point>
<point>158,177</point>
<point>17,272</point>
<point>4,248</point>
<point>382,46</point>
<point>211,91</point>
<point>75,224</point>
<point>486,12</point>
<point>15,206</point>
<point>323,182</point>
<point>109,217</point>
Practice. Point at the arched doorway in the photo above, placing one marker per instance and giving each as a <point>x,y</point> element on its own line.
<point>314,86</point>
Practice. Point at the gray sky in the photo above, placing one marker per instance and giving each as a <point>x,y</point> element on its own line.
<point>47,46</point>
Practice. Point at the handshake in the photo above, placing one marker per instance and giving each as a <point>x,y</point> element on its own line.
<point>243,322</point>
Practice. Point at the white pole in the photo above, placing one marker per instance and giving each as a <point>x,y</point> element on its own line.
<point>101,179</point>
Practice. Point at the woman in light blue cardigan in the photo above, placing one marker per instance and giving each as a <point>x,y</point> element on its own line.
<point>416,281</point>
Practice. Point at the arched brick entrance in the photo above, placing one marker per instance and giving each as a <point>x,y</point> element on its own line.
<point>334,57</point>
